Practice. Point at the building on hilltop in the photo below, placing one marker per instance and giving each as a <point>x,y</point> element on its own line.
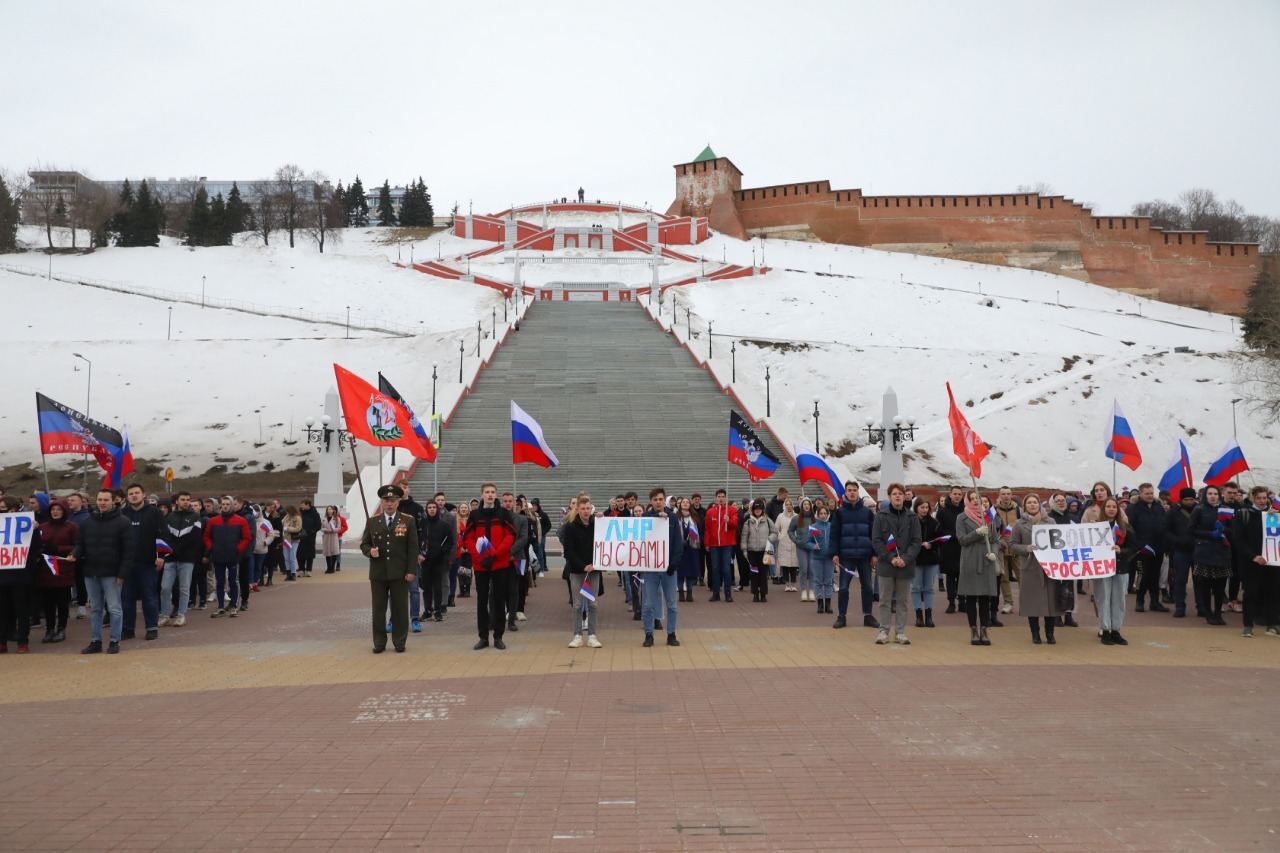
<point>1025,230</point>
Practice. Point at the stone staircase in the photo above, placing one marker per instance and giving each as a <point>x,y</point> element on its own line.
<point>623,406</point>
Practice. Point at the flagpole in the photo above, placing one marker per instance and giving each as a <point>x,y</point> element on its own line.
<point>364,502</point>
<point>1113,476</point>
<point>985,520</point>
<point>47,491</point>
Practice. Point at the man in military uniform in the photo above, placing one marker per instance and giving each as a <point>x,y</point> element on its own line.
<point>390,542</point>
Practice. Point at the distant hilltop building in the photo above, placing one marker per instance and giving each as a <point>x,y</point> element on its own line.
<point>1027,230</point>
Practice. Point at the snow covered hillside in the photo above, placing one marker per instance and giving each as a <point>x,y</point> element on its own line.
<point>1035,361</point>
<point>230,387</point>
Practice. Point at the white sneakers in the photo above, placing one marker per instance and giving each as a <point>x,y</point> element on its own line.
<point>520,616</point>
<point>576,642</point>
<point>593,642</point>
<point>178,622</point>
<point>902,640</point>
<point>1006,608</point>
<point>882,637</point>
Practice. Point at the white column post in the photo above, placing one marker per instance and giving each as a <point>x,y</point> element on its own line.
<point>891,468</point>
<point>329,489</point>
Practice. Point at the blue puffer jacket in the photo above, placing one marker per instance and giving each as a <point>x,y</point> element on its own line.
<point>851,532</point>
<point>824,542</point>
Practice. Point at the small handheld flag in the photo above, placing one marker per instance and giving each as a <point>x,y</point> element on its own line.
<point>163,547</point>
<point>991,515</point>
<point>265,527</point>
<point>1147,549</point>
<point>587,592</point>
<point>891,544</point>
<point>1275,504</point>
<point>52,562</point>
<point>815,531</point>
<point>289,546</point>
<point>1117,533</point>
<point>483,545</point>
<point>1007,531</point>
<point>853,573</point>
<point>520,568</point>
<point>1225,514</point>
<point>941,539</point>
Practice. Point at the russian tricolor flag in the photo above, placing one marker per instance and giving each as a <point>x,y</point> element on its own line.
<point>1275,504</point>
<point>1226,514</point>
<point>266,526</point>
<point>1117,532</point>
<point>527,443</point>
<point>1229,464</point>
<point>891,544</point>
<point>1147,549</point>
<point>163,547</point>
<point>1008,531</point>
<point>942,539</point>
<point>812,467</point>
<point>483,545</point>
<point>1177,476</point>
<point>52,562</point>
<point>815,531</point>
<point>1121,445</point>
<point>991,515</point>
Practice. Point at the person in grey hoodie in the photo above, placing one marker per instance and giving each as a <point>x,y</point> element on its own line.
<point>896,538</point>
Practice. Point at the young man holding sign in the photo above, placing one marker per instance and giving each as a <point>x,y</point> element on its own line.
<point>20,554</point>
<point>660,585</point>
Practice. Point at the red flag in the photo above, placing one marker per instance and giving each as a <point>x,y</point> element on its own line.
<point>964,440</point>
<point>376,418</point>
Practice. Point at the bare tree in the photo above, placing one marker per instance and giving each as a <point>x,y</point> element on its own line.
<point>40,201</point>
<point>293,198</point>
<point>263,196</point>
<point>327,214</point>
<point>1039,188</point>
<point>1257,364</point>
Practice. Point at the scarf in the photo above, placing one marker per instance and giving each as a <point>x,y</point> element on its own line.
<point>974,511</point>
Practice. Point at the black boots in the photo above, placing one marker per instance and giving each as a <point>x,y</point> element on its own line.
<point>1069,621</point>
<point>951,605</point>
<point>1048,632</point>
<point>928,617</point>
<point>821,607</point>
<point>1035,630</point>
<point>840,622</point>
<point>919,618</point>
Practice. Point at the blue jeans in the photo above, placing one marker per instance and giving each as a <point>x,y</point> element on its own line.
<point>540,550</point>
<point>863,569</point>
<point>823,580</point>
<point>804,570</point>
<point>923,586</point>
<point>227,576</point>
<point>255,568</point>
<point>104,591</point>
<point>1109,594</point>
<point>657,586</point>
<point>142,582</point>
<point>722,569</point>
<point>415,598</point>
<point>181,572</point>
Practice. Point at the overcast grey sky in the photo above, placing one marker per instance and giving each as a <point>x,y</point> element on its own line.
<point>1110,102</point>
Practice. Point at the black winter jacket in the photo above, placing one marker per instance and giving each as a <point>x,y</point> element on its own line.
<point>147,524</point>
<point>105,548</point>
<point>184,531</point>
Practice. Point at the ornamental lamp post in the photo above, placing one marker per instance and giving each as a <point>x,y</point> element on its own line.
<point>733,354</point>
<point>434,365</point>
<point>816,444</point>
<point>768,405</point>
<point>708,340</point>
<point>348,322</point>
<point>461,357</point>
<point>479,337</point>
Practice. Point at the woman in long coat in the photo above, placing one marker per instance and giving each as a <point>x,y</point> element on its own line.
<point>1037,594</point>
<point>979,581</point>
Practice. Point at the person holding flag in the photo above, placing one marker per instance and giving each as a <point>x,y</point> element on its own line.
<point>1109,592</point>
<point>1146,525</point>
<point>56,575</point>
<point>144,582</point>
<point>803,534</point>
<point>1037,596</point>
<point>1178,536</point>
<point>1210,524</point>
<point>585,582</point>
<point>979,583</point>
<point>488,537</point>
<point>183,530</point>
<point>851,527</point>
<point>896,537</point>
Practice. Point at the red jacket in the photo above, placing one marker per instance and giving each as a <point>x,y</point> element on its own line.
<point>496,525</point>
<point>721,526</point>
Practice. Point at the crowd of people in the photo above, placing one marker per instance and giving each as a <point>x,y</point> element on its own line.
<point>899,552</point>
<point>102,557</point>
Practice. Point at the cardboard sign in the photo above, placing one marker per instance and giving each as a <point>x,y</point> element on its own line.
<point>1271,537</point>
<point>16,532</point>
<point>632,544</point>
<point>1075,551</point>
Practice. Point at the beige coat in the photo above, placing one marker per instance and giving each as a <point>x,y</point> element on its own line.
<point>1037,594</point>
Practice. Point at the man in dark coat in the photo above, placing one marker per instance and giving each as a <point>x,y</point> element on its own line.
<point>16,581</point>
<point>1261,581</point>
<point>949,509</point>
<point>105,556</point>
<point>851,537</point>
<point>144,581</point>
<point>1181,543</point>
<point>311,525</point>
<point>1146,529</point>
<point>391,543</point>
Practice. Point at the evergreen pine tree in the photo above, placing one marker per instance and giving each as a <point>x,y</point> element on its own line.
<point>147,218</point>
<point>424,199</point>
<point>357,205</point>
<point>386,213</point>
<point>409,205</point>
<point>8,220</point>
<point>121,224</point>
<point>199,231</point>
<point>238,214</point>
<point>60,212</point>
<point>218,233</point>
<point>1261,323</point>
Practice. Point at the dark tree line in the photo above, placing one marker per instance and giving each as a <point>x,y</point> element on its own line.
<point>215,223</point>
<point>1202,210</point>
<point>9,217</point>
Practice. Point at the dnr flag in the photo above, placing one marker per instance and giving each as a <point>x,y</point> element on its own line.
<point>747,451</point>
<point>64,430</point>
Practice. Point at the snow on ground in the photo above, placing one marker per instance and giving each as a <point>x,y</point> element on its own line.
<point>1041,378</point>
<point>230,387</point>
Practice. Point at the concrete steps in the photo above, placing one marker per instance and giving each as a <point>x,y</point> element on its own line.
<point>623,406</point>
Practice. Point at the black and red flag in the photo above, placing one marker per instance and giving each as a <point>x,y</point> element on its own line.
<point>747,451</point>
<point>64,430</point>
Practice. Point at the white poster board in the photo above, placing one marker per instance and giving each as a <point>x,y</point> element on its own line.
<point>632,544</point>
<point>16,533</point>
<point>1075,551</point>
<point>1271,537</point>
